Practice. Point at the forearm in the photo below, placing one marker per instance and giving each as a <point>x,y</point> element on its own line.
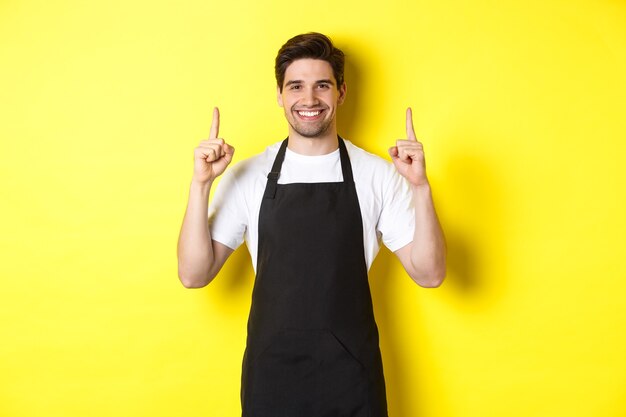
<point>428,251</point>
<point>195,249</point>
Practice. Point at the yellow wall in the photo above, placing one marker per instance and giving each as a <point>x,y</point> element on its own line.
<point>521,108</point>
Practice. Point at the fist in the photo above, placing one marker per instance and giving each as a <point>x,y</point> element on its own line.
<point>408,155</point>
<point>213,155</point>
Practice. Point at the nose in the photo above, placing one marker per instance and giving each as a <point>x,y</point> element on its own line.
<point>310,97</point>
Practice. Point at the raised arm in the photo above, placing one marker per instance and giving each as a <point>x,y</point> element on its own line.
<point>200,258</point>
<point>424,259</point>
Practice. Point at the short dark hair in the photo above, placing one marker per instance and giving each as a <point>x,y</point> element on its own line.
<point>309,45</point>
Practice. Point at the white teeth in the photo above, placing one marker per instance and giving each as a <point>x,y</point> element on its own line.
<point>309,113</point>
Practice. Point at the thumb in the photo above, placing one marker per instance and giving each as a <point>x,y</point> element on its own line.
<point>398,163</point>
<point>229,151</point>
<point>393,152</point>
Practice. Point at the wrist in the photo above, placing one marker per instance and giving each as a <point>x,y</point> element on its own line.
<point>421,192</point>
<point>421,188</point>
<point>201,185</point>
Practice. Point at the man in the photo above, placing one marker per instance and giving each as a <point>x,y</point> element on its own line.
<point>312,210</point>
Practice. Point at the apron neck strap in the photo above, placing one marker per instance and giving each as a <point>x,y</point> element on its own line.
<point>346,167</point>
<point>274,174</point>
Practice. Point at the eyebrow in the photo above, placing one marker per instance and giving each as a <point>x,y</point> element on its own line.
<point>325,81</point>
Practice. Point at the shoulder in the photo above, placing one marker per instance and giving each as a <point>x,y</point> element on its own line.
<point>376,177</point>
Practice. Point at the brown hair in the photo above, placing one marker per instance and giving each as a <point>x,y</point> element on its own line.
<point>309,45</point>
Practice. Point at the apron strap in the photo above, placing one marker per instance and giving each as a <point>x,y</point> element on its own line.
<point>274,174</point>
<point>346,167</point>
<point>272,177</point>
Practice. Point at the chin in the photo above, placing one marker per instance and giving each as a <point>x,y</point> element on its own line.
<point>311,134</point>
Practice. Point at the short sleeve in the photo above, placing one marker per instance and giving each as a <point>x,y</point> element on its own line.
<point>397,218</point>
<point>228,218</point>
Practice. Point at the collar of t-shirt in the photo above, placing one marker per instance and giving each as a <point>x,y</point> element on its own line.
<point>298,168</point>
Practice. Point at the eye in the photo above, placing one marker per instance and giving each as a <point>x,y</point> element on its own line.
<point>295,87</point>
<point>323,86</point>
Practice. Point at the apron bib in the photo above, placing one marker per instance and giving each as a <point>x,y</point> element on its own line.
<point>312,347</point>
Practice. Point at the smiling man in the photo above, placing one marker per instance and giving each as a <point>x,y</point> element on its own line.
<point>313,210</point>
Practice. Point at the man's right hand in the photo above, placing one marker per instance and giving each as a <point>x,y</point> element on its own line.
<point>213,155</point>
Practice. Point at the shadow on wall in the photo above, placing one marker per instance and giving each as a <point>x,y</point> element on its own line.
<point>473,211</point>
<point>349,111</point>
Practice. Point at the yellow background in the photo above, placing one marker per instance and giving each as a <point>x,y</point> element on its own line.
<point>521,108</point>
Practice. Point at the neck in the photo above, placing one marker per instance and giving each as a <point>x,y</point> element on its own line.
<point>319,145</point>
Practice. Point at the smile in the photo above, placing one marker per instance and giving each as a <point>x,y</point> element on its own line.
<point>309,114</point>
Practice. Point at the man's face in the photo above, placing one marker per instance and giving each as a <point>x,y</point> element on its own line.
<point>310,97</point>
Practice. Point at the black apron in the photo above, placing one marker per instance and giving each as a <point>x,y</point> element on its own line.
<point>312,348</point>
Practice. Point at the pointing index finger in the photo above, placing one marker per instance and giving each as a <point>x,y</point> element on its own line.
<point>410,132</point>
<point>215,124</point>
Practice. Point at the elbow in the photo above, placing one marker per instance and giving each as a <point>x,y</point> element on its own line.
<point>430,279</point>
<point>191,283</point>
<point>433,275</point>
<point>190,280</point>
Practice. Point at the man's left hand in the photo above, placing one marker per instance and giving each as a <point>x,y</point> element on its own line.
<point>408,155</point>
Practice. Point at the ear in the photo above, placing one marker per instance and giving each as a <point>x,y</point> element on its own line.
<point>342,93</point>
<point>279,96</point>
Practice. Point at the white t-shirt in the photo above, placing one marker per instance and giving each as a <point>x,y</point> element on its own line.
<point>384,197</point>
